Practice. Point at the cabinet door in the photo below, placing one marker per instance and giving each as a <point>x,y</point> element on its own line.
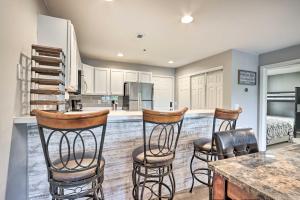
<point>184,92</point>
<point>72,83</point>
<point>117,82</point>
<point>102,79</point>
<point>131,76</point>
<point>88,84</point>
<point>145,77</point>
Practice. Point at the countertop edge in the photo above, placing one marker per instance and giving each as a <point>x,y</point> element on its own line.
<point>120,117</point>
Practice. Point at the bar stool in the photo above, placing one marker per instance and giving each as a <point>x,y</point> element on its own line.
<point>72,146</point>
<point>204,148</point>
<point>152,173</point>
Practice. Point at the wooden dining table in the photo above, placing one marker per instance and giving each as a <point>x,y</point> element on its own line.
<point>274,174</point>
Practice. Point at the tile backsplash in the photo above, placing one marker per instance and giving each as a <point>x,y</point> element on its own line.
<point>100,100</point>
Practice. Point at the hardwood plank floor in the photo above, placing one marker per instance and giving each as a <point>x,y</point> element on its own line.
<point>199,193</point>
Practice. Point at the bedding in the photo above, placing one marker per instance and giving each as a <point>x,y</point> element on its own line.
<point>279,129</point>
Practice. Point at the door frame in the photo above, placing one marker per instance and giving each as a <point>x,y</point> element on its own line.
<point>283,67</point>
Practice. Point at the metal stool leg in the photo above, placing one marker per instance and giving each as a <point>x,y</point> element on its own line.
<point>192,172</point>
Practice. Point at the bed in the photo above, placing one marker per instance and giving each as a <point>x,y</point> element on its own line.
<point>279,129</point>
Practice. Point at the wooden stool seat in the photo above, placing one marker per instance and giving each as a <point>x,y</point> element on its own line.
<point>162,158</point>
<point>77,175</point>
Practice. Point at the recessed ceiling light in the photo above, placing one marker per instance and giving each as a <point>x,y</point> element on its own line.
<point>120,54</point>
<point>109,0</point>
<point>186,19</point>
<point>171,62</point>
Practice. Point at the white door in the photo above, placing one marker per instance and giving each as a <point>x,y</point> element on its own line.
<point>145,77</point>
<point>163,92</point>
<point>131,76</point>
<point>117,82</point>
<point>88,84</point>
<point>198,87</point>
<point>102,79</point>
<point>214,89</point>
<point>184,92</point>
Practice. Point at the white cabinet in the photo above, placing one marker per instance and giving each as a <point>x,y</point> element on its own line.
<point>88,82</point>
<point>56,32</point>
<point>131,76</point>
<point>163,92</point>
<point>72,70</point>
<point>116,82</point>
<point>145,77</point>
<point>184,92</point>
<point>102,81</point>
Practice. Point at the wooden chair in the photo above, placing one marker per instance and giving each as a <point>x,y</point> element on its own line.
<point>152,162</point>
<point>72,146</point>
<point>204,148</point>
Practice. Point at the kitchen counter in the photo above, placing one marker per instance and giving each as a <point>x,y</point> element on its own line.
<point>115,116</point>
<point>264,175</point>
<point>124,133</point>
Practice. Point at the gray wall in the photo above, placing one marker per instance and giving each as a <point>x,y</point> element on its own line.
<point>130,66</point>
<point>282,82</point>
<point>18,19</point>
<point>281,55</point>
<point>223,59</point>
<point>247,100</point>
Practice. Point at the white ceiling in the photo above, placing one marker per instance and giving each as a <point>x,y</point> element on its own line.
<point>105,28</point>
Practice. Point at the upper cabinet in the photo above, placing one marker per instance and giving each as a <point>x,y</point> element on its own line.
<point>105,81</point>
<point>102,81</point>
<point>116,82</point>
<point>88,82</point>
<point>131,76</point>
<point>145,77</point>
<point>56,32</point>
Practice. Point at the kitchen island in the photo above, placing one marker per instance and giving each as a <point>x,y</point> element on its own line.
<point>123,134</point>
<point>265,175</point>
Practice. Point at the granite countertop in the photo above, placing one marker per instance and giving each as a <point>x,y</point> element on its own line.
<point>269,175</point>
<point>117,116</point>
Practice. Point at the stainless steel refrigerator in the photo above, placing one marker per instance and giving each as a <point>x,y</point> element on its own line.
<point>137,96</point>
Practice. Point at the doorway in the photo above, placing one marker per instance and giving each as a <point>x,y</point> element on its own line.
<point>278,68</point>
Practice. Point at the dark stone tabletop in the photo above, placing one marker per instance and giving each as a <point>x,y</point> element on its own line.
<point>269,175</point>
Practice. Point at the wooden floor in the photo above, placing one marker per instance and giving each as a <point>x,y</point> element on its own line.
<point>199,193</point>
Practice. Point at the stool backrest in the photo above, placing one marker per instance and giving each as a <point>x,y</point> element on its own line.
<point>72,142</point>
<point>225,119</point>
<point>235,143</point>
<point>161,132</point>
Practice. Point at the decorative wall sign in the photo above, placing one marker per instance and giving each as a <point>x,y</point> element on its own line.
<point>246,77</point>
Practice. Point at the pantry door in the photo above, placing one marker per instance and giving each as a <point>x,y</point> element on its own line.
<point>163,92</point>
<point>214,89</point>
<point>198,87</point>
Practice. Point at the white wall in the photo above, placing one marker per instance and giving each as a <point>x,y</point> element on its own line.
<point>247,100</point>
<point>18,20</point>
